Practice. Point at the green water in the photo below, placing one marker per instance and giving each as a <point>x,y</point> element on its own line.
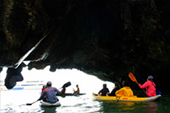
<point>14,101</point>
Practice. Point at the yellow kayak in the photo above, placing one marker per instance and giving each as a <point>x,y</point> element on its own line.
<point>127,99</point>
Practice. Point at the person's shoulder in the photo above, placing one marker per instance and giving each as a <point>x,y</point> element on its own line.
<point>149,82</point>
<point>45,89</point>
<point>55,88</point>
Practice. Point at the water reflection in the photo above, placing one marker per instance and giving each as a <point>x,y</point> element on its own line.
<point>152,107</point>
<point>112,106</point>
<point>106,106</point>
<point>48,109</point>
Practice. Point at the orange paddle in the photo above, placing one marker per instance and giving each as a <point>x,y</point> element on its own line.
<point>132,77</point>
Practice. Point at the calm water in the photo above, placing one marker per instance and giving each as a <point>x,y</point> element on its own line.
<point>14,101</point>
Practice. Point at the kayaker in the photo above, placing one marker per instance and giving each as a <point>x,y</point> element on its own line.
<point>63,89</point>
<point>50,94</point>
<point>125,91</point>
<point>43,88</point>
<point>104,91</point>
<point>117,87</point>
<point>150,86</point>
<point>77,91</point>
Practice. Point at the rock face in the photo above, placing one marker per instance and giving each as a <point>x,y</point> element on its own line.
<point>107,38</point>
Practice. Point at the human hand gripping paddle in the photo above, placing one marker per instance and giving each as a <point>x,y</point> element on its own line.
<point>66,85</point>
<point>133,78</point>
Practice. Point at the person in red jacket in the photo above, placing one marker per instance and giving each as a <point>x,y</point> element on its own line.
<point>150,86</point>
<point>43,88</point>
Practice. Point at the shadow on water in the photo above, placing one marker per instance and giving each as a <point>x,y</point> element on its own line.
<point>48,109</point>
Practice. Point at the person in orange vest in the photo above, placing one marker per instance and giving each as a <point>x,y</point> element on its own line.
<point>125,91</point>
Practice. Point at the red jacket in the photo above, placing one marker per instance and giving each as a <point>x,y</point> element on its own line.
<point>150,88</point>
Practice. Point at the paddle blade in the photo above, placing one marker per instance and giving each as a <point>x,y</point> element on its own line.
<point>29,104</point>
<point>132,77</point>
<point>67,84</point>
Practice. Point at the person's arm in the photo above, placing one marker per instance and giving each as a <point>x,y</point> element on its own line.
<point>42,95</point>
<point>63,90</point>
<point>107,94</point>
<point>99,93</point>
<point>56,90</point>
<point>145,85</point>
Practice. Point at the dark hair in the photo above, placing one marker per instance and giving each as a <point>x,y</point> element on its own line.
<point>49,84</point>
<point>104,85</point>
<point>44,86</point>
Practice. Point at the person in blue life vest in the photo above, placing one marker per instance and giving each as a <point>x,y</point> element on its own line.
<point>49,94</point>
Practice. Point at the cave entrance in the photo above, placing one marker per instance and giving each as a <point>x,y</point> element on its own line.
<point>87,83</point>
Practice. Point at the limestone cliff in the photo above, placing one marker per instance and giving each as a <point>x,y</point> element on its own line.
<point>107,38</point>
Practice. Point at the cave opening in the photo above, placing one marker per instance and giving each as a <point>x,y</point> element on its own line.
<point>35,79</point>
